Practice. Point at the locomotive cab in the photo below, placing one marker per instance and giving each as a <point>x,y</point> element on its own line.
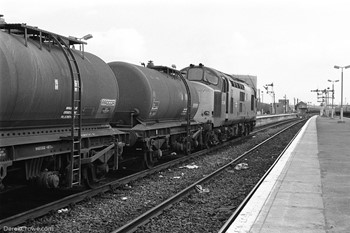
<point>226,102</point>
<point>208,86</point>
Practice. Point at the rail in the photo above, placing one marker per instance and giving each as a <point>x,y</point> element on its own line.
<point>142,219</point>
<point>75,198</point>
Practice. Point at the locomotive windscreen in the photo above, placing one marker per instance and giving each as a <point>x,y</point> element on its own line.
<point>196,74</point>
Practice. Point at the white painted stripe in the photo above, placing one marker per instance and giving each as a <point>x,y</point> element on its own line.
<point>250,212</point>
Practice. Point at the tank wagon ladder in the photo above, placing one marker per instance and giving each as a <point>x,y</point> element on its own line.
<point>64,43</point>
<point>76,113</point>
<point>188,113</point>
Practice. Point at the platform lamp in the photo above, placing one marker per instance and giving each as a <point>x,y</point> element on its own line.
<point>86,37</point>
<point>81,46</point>
<point>341,101</point>
<point>333,81</point>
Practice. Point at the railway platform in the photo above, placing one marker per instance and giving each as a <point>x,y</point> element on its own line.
<point>309,188</point>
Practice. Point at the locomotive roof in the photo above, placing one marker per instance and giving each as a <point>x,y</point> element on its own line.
<point>228,75</point>
<point>219,74</point>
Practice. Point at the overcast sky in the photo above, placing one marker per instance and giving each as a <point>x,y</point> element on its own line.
<point>292,44</point>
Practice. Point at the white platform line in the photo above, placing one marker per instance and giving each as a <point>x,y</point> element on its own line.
<point>250,212</point>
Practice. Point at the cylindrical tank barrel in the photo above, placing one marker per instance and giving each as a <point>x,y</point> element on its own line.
<point>36,85</point>
<point>153,95</point>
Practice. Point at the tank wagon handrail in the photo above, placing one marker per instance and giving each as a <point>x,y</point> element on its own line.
<point>26,29</point>
<point>42,35</point>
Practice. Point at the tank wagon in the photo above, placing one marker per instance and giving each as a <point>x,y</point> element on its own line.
<point>54,115</point>
<point>157,106</point>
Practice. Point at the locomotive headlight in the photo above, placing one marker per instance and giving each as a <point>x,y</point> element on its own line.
<point>206,113</point>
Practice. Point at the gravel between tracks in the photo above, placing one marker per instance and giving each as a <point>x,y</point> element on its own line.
<point>208,210</point>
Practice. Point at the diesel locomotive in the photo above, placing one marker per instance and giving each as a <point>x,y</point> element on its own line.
<point>66,116</point>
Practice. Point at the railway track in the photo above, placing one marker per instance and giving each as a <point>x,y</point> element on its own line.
<point>165,205</point>
<point>239,209</point>
<point>22,217</point>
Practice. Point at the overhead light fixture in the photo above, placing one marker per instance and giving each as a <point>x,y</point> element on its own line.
<point>87,37</point>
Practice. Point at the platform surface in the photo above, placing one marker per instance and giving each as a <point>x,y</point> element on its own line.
<point>309,188</point>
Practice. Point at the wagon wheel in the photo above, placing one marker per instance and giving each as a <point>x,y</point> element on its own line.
<point>208,140</point>
<point>148,159</point>
<point>187,146</point>
<point>89,177</point>
<point>246,130</point>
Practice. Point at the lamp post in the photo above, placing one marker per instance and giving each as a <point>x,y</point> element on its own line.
<point>341,101</point>
<point>285,103</point>
<point>273,95</point>
<point>327,100</point>
<point>333,81</point>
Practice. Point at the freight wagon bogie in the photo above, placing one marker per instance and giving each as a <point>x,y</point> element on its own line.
<point>217,135</point>
<point>150,143</point>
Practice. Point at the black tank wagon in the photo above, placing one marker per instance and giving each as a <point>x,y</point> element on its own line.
<point>54,115</point>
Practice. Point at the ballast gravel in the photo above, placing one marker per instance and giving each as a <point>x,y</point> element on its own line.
<point>198,212</point>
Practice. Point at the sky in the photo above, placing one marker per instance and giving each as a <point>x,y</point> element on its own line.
<point>293,44</point>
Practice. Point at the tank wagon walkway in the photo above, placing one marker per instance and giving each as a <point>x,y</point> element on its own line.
<point>309,188</point>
